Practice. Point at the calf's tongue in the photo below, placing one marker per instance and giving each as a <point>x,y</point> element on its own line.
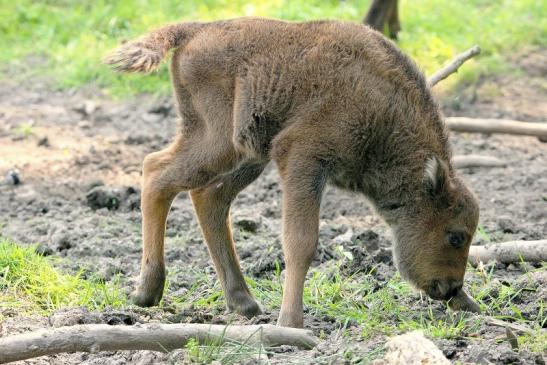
<point>462,301</point>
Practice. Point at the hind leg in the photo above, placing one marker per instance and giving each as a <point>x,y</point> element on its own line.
<point>212,206</point>
<point>165,174</point>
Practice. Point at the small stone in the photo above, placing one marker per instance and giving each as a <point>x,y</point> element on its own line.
<point>43,142</point>
<point>90,106</point>
<point>44,250</point>
<point>84,124</point>
<point>87,108</point>
<point>151,118</point>
<point>13,178</point>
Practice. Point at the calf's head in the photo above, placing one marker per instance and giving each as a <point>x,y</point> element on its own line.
<point>433,232</point>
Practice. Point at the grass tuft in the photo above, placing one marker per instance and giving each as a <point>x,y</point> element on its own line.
<point>30,282</point>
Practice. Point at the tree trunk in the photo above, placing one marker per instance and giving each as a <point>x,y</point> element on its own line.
<point>381,13</point>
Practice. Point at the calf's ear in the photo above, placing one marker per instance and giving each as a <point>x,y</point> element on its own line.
<point>435,177</point>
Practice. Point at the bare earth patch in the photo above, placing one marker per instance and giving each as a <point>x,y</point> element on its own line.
<point>93,142</point>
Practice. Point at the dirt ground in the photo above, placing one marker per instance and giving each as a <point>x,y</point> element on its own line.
<point>79,153</point>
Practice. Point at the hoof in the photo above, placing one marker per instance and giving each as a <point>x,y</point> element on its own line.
<point>290,320</point>
<point>250,309</point>
<point>150,287</point>
<point>145,299</point>
<point>244,305</point>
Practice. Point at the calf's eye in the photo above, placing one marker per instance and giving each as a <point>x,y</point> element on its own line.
<point>456,239</point>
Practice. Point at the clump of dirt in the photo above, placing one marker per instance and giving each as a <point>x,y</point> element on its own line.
<point>75,316</point>
<point>113,198</point>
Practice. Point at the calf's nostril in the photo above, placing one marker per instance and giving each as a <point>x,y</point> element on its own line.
<point>437,289</point>
<point>453,292</point>
<point>444,289</point>
<point>454,288</point>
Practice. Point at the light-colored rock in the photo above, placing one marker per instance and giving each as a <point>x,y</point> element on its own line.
<point>412,348</point>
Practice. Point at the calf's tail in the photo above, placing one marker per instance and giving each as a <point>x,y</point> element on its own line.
<point>144,54</point>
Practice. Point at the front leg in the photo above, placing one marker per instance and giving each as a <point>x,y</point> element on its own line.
<point>303,180</point>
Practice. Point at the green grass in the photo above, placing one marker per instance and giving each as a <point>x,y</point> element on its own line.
<point>357,299</point>
<point>24,130</point>
<point>66,39</point>
<point>221,351</point>
<point>30,283</point>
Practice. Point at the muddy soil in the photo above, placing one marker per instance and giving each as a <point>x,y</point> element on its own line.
<point>72,161</point>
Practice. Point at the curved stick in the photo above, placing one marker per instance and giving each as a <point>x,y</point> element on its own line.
<point>461,124</point>
<point>155,337</point>
<point>453,66</point>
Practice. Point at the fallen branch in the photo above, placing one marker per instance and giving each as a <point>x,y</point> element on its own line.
<point>509,252</point>
<point>460,124</point>
<point>155,337</point>
<point>453,66</point>
<point>519,328</point>
<point>477,161</point>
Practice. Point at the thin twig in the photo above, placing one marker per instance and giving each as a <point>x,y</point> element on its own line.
<point>453,66</point>
<point>517,327</point>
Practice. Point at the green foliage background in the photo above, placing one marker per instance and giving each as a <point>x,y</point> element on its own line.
<point>66,39</point>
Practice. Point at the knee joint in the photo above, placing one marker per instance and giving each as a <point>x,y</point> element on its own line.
<point>150,164</point>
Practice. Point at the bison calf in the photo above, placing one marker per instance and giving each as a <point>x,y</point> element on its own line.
<point>329,102</point>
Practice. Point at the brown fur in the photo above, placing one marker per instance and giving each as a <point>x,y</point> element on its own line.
<point>328,102</point>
